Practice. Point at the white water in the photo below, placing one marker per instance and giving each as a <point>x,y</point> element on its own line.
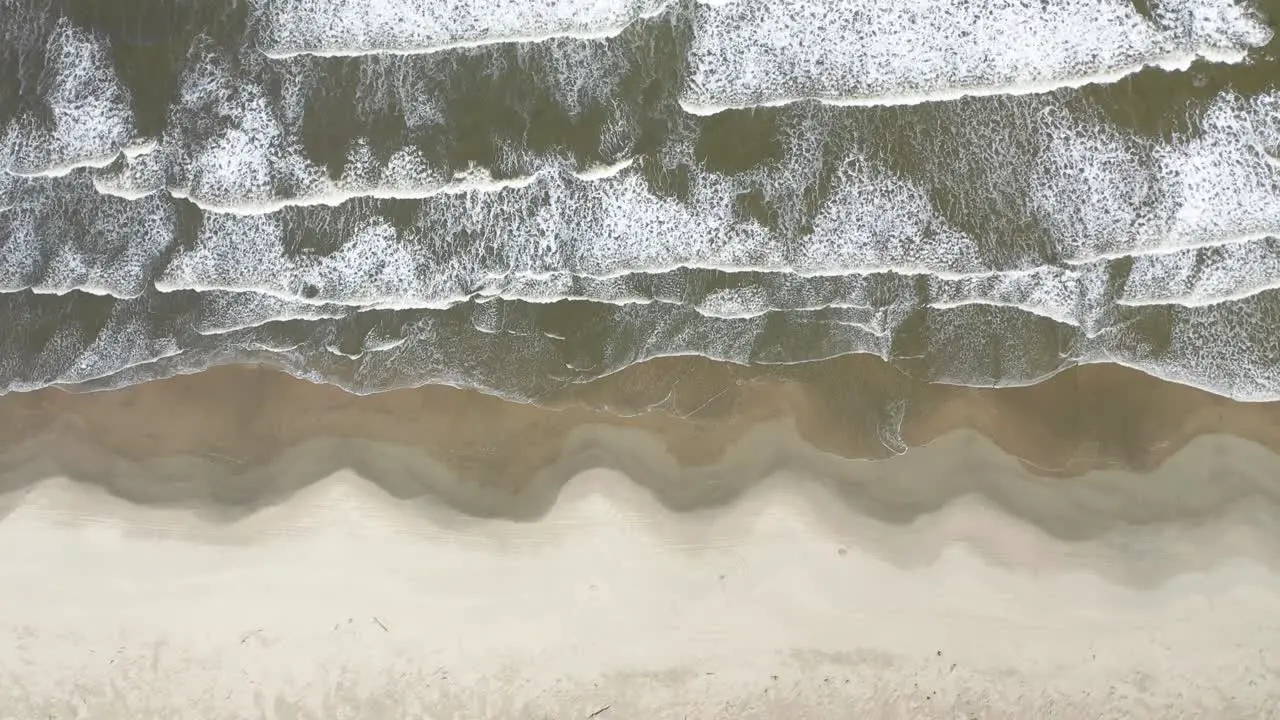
<point>749,53</point>
<point>357,27</point>
<point>89,111</point>
<point>241,231</point>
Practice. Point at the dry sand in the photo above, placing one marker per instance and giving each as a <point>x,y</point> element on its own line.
<point>198,548</point>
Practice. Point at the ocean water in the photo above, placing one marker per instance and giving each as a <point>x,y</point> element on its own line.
<point>517,196</point>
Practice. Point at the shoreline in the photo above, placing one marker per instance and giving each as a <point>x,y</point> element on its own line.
<point>854,407</point>
<point>245,544</point>
<point>1214,476</point>
<point>230,443</point>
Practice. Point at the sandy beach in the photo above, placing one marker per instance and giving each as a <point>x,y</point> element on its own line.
<point>343,602</point>
<point>243,544</point>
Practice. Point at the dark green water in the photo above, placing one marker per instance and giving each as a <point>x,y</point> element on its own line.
<point>515,216</point>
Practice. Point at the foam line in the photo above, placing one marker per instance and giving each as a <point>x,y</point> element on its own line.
<point>347,28</point>
<point>1204,276</point>
<point>750,53</point>
<point>89,111</point>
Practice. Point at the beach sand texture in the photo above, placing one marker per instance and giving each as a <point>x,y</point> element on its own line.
<point>164,552</point>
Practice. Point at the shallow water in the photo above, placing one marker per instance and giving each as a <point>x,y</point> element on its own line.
<point>531,195</point>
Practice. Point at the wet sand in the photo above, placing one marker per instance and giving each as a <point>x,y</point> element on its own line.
<point>681,539</point>
<point>691,411</point>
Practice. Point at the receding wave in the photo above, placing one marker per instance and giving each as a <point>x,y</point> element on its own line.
<point>522,351</point>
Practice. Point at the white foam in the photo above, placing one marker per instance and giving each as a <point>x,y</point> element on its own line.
<point>418,187</point>
<point>404,27</point>
<point>749,53</point>
<point>59,235</point>
<point>1228,348</point>
<point>855,299</point>
<point>1104,195</point>
<point>1170,63</point>
<point>134,177</point>
<point>557,236</point>
<point>372,342</point>
<point>1203,276</point>
<point>1197,213</point>
<point>404,176</point>
<point>221,313</point>
<point>621,290</point>
<point>738,303</point>
<point>71,355</point>
<point>139,148</point>
<point>231,147</point>
<point>226,144</point>
<point>603,228</point>
<point>602,172</point>
<point>1225,182</point>
<point>128,340</point>
<point>877,222</point>
<point>7,185</point>
<point>1081,297</point>
<point>611,239</point>
<point>512,353</point>
<point>90,109</point>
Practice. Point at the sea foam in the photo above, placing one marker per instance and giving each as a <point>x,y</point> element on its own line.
<point>1007,238</point>
<point>353,27</point>
<point>749,53</point>
<point>234,137</point>
<point>1203,276</point>
<point>86,117</point>
<point>518,351</point>
<point>610,235</point>
<point>59,235</point>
